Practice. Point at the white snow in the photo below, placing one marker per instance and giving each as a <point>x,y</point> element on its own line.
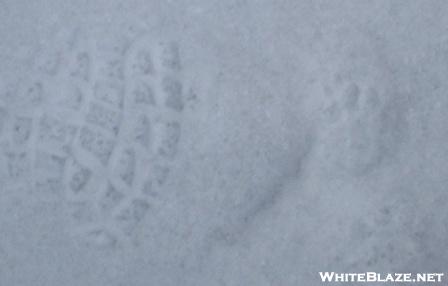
<point>221,142</point>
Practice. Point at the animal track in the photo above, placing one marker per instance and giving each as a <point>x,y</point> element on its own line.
<point>354,129</point>
<point>358,132</point>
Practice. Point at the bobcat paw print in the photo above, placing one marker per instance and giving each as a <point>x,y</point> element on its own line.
<point>352,133</point>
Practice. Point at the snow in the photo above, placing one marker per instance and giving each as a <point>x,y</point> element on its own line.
<point>221,142</point>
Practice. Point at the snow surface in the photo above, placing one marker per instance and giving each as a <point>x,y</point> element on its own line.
<point>221,142</point>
